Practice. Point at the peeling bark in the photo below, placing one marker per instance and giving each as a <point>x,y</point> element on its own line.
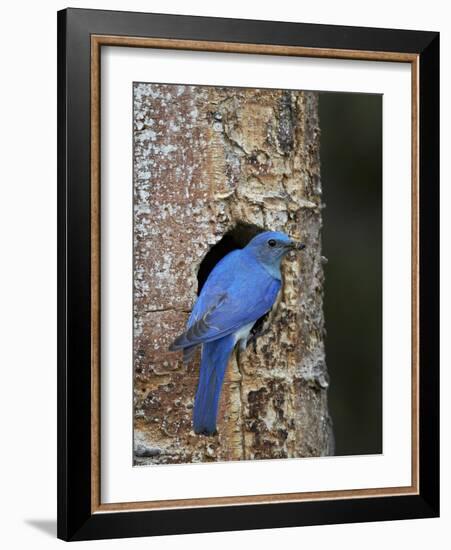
<point>206,159</point>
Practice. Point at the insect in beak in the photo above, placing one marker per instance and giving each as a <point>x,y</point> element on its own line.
<point>295,245</point>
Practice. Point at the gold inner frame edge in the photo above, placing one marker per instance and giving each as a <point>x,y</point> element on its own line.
<point>97,41</point>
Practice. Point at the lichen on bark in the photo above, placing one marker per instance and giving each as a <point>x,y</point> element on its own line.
<point>205,160</point>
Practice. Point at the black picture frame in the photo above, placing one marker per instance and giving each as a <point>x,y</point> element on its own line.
<point>76,521</point>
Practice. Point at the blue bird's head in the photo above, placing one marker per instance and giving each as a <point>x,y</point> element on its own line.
<point>270,247</point>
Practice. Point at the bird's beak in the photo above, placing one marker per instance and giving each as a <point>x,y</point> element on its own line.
<point>295,245</point>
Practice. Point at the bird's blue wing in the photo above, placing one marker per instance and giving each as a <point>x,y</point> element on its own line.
<point>220,277</point>
<point>237,292</point>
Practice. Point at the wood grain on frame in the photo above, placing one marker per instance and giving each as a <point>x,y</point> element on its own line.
<point>106,40</point>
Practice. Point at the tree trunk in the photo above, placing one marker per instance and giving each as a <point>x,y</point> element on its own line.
<point>208,160</point>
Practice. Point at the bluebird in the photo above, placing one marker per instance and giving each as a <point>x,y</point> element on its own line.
<point>241,288</point>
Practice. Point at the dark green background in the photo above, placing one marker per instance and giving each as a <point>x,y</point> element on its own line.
<point>351,172</point>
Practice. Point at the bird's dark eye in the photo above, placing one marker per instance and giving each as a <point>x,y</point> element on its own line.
<point>271,242</point>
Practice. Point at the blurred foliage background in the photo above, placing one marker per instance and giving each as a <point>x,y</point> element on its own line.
<point>351,171</point>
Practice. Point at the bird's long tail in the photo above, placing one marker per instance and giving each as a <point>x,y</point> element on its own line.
<point>215,356</point>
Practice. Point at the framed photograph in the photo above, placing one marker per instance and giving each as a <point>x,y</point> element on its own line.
<point>248,274</point>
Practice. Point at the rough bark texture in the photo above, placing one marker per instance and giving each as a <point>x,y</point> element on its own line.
<point>206,159</point>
